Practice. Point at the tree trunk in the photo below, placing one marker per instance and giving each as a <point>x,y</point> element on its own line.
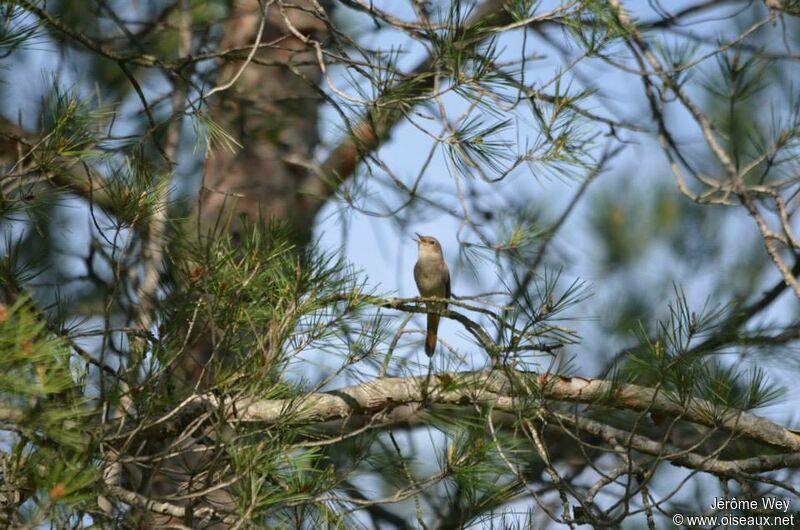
<point>273,114</point>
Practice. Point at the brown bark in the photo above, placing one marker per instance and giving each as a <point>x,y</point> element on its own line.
<point>273,114</point>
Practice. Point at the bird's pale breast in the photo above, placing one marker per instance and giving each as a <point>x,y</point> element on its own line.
<point>430,277</point>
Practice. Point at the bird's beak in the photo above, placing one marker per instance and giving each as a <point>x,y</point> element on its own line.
<point>419,237</point>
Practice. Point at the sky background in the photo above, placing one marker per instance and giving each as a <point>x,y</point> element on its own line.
<point>386,252</point>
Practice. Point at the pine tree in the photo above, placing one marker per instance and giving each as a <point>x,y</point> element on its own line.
<point>182,344</point>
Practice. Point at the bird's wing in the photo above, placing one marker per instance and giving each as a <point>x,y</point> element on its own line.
<point>446,283</point>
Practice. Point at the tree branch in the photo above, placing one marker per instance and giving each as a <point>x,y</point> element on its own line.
<point>166,508</point>
<point>65,172</point>
<point>504,391</point>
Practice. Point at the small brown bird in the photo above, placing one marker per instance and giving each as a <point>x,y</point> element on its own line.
<point>433,280</point>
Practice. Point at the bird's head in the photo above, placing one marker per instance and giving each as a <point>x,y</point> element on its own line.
<point>428,246</point>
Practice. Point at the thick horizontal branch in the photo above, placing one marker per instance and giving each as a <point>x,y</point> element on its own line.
<point>510,391</point>
<point>165,508</point>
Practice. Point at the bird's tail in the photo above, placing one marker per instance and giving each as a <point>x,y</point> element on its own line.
<point>430,337</point>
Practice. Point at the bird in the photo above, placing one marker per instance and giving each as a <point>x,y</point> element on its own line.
<point>433,281</point>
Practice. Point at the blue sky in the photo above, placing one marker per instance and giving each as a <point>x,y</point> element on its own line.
<point>386,252</point>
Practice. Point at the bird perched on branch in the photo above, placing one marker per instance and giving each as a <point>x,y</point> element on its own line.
<point>433,281</point>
